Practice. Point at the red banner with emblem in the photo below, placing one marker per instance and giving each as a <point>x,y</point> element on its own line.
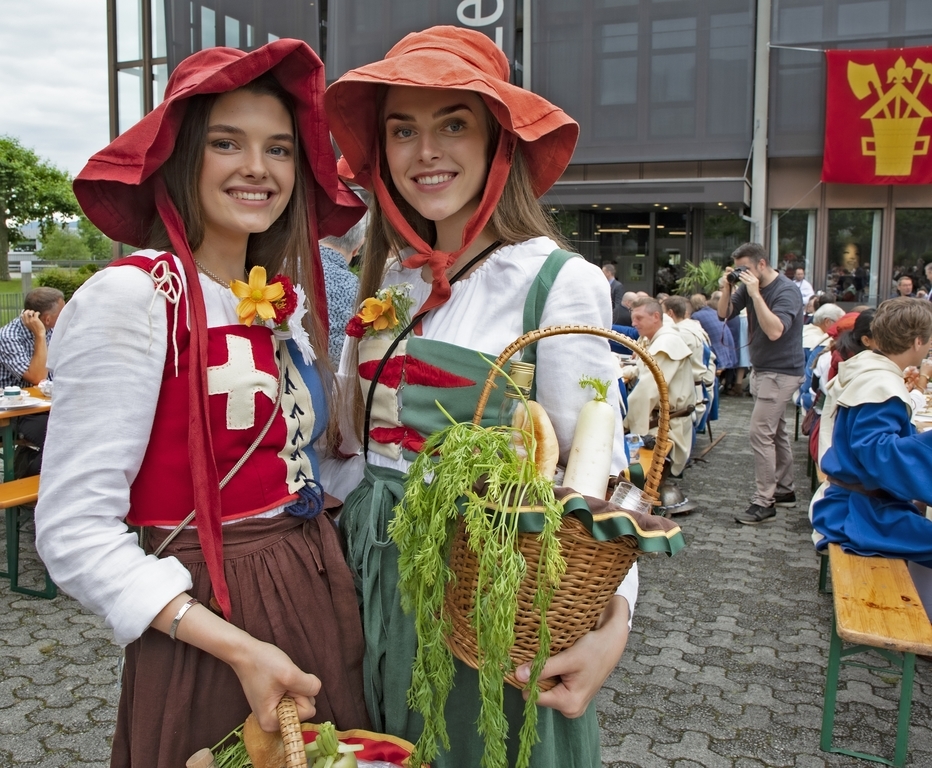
<point>878,116</point>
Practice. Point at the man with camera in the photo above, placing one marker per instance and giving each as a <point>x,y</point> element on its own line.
<point>775,325</point>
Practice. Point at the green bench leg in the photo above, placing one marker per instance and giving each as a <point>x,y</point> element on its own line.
<point>906,669</point>
<point>823,571</point>
<point>906,702</point>
<point>12,554</point>
<point>831,689</point>
<point>13,515</point>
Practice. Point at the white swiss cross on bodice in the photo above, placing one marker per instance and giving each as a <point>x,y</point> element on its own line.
<point>239,379</point>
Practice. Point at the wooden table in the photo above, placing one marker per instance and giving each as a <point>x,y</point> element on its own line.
<point>8,436</point>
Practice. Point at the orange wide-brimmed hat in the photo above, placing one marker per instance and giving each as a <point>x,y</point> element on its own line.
<point>460,59</point>
<point>449,57</point>
<point>121,192</point>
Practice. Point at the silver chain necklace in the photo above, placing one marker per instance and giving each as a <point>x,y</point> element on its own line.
<point>212,276</point>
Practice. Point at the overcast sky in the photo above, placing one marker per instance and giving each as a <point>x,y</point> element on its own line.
<point>53,78</point>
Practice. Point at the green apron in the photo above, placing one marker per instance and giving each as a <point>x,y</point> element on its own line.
<point>390,637</point>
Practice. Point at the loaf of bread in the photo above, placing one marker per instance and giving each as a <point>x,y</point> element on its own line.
<point>546,447</point>
<point>266,750</point>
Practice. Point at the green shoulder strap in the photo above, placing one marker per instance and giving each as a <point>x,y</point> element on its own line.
<point>537,298</point>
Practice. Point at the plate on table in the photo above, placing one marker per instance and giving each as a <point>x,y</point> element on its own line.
<point>26,402</point>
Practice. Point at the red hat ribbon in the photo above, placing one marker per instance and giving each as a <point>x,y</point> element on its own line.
<point>200,446</point>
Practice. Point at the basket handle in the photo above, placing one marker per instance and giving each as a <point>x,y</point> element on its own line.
<point>652,479</point>
<point>290,726</point>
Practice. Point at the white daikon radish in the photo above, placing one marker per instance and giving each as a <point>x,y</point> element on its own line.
<point>590,459</point>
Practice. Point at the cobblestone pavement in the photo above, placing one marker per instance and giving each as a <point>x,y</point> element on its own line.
<point>724,668</point>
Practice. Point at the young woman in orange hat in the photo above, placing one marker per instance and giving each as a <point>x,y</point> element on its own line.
<point>457,158</point>
<point>187,397</point>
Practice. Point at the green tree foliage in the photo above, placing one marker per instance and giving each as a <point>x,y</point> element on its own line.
<point>30,190</point>
<point>66,280</point>
<point>61,244</point>
<point>98,244</point>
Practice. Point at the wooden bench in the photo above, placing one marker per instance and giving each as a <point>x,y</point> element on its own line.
<point>876,609</point>
<point>14,496</point>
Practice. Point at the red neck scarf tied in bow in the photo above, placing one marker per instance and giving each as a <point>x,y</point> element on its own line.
<point>440,261</point>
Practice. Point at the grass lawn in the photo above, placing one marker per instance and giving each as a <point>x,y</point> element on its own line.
<point>11,286</point>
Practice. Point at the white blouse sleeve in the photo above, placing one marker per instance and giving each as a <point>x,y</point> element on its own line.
<point>107,357</point>
<point>580,296</point>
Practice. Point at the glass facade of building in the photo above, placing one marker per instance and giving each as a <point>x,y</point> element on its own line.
<point>663,91</point>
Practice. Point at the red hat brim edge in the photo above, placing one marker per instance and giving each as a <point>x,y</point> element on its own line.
<point>115,188</point>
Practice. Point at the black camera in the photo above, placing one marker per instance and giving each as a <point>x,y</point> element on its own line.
<point>732,277</point>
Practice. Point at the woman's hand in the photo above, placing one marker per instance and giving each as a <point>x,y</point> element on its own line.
<point>266,674</point>
<point>585,666</point>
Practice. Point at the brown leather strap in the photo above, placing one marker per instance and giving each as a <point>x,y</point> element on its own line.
<point>875,493</point>
<point>681,413</point>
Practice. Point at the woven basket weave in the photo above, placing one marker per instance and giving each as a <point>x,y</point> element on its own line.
<point>290,726</point>
<point>594,569</point>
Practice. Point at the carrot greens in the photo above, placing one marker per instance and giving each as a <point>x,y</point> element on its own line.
<point>442,485</point>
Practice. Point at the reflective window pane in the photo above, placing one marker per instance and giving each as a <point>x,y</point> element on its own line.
<point>853,255</point>
<point>208,28</point>
<point>865,18</point>
<point>673,77</point>
<point>619,38</point>
<point>129,90</point>
<point>793,240</point>
<point>918,14</point>
<point>231,32</point>
<point>794,24</point>
<point>159,81</point>
<point>729,91</point>
<point>618,81</point>
<point>159,45</point>
<point>912,246</point>
<point>129,30</point>
<point>673,33</point>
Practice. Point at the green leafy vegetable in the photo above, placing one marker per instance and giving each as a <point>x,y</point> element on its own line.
<point>441,486</point>
<point>230,751</point>
<point>599,385</point>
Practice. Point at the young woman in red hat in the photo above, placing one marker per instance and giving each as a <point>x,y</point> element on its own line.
<point>457,158</point>
<point>187,397</point>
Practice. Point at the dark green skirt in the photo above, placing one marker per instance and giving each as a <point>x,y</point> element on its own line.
<point>391,643</point>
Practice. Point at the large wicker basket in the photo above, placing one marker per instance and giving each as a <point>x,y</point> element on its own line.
<point>594,569</point>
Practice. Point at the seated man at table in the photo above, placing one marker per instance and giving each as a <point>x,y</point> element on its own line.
<point>672,355</point>
<point>875,461</point>
<point>23,351</point>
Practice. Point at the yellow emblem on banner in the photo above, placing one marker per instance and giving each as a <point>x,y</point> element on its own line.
<point>896,118</point>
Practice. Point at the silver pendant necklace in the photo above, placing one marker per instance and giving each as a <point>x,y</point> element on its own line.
<point>211,275</point>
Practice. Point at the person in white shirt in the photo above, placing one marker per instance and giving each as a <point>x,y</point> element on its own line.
<point>805,287</point>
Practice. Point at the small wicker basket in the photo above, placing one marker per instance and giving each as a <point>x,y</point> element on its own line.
<point>594,569</point>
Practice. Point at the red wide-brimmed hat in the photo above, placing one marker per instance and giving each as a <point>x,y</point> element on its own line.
<point>116,189</point>
<point>121,192</point>
<point>460,59</point>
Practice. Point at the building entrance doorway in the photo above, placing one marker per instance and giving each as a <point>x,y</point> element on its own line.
<point>647,247</point>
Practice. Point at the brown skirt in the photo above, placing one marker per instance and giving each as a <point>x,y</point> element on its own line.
<point>289,586</point>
